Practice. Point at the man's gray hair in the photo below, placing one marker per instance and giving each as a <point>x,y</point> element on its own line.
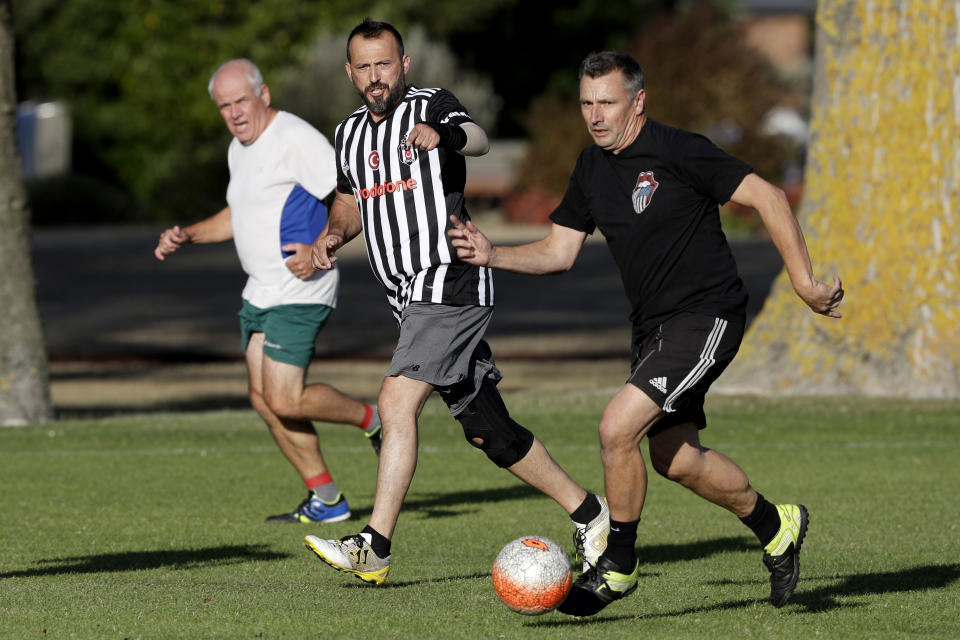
<point>604,62</point>
<point>254,77</point>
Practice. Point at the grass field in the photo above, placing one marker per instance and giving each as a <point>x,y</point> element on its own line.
<point>150,525</point>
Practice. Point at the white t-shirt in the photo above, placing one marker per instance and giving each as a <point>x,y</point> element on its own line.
<point>275,194</point>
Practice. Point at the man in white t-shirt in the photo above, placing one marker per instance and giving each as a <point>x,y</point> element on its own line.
<point>281,169</point>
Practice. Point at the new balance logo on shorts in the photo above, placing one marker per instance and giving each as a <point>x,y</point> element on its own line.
<point>660,383</point>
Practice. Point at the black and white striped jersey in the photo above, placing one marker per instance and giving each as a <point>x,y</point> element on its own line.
<point>405,197</point>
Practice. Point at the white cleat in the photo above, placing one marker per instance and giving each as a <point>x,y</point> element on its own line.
<point>352,554</point>
<point>590,540</point>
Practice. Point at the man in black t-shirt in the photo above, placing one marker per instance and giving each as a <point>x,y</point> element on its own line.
<point>653,191</point>
<point>401,173</point>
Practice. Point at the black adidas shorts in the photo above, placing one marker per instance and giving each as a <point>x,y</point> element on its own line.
<point>677,362</point>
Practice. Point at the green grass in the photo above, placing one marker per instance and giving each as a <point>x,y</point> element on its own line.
<point>151,526</point>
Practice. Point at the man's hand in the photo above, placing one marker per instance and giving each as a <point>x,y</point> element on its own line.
<point>170,240</point>
<point>423,137</point>
<point>471,245</point>
<point>823,298</point>
<point>300,263</point>
<point>323,249</point>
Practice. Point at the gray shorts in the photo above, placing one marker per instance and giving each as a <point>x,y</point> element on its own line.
<point>443,345</point>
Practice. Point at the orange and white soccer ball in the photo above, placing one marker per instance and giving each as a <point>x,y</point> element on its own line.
<point>532,575</point>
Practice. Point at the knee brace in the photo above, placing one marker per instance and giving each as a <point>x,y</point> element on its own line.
<point>486,419</point>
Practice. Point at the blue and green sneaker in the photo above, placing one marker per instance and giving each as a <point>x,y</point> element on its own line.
<point>313,510</point>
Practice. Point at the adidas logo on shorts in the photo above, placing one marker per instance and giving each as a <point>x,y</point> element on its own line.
<point>660,383</point>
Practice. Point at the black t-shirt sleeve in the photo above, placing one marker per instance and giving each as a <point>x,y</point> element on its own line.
<point>711,170</point>
<point>444,108</point>
<point>573,211</point>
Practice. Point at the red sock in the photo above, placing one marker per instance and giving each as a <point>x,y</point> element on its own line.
<point>367,416</point>
<point>318,481</point>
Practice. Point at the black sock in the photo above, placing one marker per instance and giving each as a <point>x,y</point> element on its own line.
<point>620,544</point>
<point>764,520</point>
<point>587,511</point>
<point>379,544</point>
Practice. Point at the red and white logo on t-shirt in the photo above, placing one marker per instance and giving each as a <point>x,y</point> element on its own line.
<point>643,192</point>
<point>373,160</point>
<point>407,155</point>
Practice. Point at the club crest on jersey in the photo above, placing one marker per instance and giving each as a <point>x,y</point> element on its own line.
<point>643,192</point>
<point>373,160</point>
<point>407,155</point>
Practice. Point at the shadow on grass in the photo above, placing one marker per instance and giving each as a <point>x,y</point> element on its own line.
<point>651,553</point>
<point>866,584</point>
<point>139,560</point>
<point>359,584</point>
<point>440,505</point>
<point>200,404</point>
<point>817,600</point>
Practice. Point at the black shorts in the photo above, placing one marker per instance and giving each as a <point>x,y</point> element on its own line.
<point>677,362</point>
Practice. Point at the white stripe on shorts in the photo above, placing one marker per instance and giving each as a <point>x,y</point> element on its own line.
<point>707,360</point>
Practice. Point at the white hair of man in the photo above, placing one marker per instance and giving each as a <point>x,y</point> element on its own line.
<point>254,77</point>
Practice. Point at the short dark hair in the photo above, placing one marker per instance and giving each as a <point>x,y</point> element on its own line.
<point>604,62</point>
<point>370,29</point>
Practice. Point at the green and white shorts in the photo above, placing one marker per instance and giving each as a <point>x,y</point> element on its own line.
<point>289,331</point>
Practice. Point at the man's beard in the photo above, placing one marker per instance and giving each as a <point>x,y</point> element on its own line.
<point>386,102</point>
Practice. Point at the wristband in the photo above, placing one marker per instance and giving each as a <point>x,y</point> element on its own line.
<point>451,136</point>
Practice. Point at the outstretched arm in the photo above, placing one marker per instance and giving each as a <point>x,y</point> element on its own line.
<point>467,139</point>
<point>785,232</point>
<point>216,228</point>
<point>554,254</point>
<point>343,225</point>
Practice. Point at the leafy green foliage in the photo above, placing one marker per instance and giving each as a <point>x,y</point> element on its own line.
<point>135,77</point>
<point>135,74</point>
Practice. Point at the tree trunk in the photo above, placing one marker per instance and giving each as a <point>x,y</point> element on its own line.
<point>24,392</point>
<point>881,208</point>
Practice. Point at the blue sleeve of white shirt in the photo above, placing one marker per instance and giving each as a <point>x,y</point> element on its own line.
<point>302,220</point>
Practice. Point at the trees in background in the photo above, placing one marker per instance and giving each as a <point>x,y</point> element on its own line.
<point>147,143</point>
<point>700,75</point>
<point>135,76</point>
<point>328,96</point>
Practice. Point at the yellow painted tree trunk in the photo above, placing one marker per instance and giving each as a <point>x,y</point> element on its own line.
<point>881,208</point>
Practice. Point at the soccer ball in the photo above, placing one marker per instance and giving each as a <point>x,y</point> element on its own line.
<point>532,575</point>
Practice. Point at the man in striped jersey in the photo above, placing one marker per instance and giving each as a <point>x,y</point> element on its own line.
<point>401,175</point>
<point>653,191</point>
<point>281,169</point>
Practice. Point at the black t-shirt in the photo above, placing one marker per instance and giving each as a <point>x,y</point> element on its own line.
<point>657,205</point>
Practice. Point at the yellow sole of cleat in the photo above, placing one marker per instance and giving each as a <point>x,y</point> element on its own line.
<point>370,577</point>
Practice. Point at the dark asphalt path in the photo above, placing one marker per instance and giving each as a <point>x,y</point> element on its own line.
<point>102,295</point>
